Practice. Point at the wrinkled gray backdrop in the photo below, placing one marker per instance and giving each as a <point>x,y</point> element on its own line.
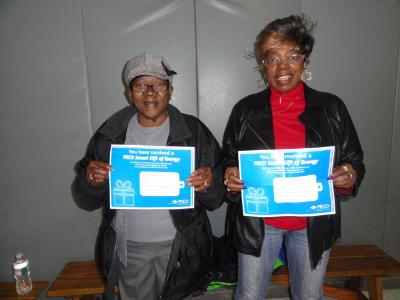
<point>60,77</point>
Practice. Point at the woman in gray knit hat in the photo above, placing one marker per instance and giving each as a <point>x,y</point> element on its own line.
<point>152,254</point>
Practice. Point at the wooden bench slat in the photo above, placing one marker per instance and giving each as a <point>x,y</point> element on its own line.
<point>356,251</point>
<point>8,292</point>
<point>359,266</point>
<point>77,279</point>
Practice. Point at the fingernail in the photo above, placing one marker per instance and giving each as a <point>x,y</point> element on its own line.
<point>330,177</point>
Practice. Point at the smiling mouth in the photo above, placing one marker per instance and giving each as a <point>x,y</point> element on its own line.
<point>284,78</point>
<point>150,104</point>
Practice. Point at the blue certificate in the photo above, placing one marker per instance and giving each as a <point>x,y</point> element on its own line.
<point>150,177</point>
<point>291,182</point>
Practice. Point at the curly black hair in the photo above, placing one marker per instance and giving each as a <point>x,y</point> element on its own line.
<point>296,28</point>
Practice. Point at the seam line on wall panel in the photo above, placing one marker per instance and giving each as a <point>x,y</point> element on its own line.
<point>85,73</point>
<point>196,60</point>
<point>391,155</point>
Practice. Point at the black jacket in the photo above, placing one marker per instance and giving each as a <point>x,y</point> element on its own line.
<point>327,123</point>
<point>192,246</point>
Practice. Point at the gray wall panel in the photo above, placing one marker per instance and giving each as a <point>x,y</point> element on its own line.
<point>355,57</point>
<point>118,30</point>
<point>392,223</point>
<point>44,117</point>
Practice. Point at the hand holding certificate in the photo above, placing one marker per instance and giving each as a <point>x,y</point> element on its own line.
<point>97,172</point>
<point>200,179</point>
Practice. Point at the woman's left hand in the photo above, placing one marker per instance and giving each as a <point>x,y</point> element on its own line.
<point>200,179</point>
<point>344,176</point>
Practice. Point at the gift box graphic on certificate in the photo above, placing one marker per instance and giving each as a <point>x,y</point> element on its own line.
<point>257,201</point>
<point>123,193</point>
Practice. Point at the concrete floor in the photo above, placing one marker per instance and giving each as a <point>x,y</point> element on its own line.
<point>275,293</point>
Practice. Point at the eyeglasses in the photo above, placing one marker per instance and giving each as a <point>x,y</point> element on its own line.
<point>274,60</point>
<point>143,88</point>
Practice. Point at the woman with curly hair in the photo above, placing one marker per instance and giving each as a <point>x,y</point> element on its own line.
<point>288,114</point>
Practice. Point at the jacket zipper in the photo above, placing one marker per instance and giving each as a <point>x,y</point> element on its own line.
<point>267,147</point>
<point>168,275</point>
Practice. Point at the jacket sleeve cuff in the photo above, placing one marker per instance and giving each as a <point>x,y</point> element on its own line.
<point>345,192</point>
<point>89,197</point>
<point>232,196</point>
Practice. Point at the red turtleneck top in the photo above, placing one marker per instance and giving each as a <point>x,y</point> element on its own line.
<point>289,133</point>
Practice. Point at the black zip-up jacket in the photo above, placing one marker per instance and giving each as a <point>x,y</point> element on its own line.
<point>192,246</point>
<point>327,123</point>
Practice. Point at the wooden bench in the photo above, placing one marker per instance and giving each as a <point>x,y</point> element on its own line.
<point>358,264</point>
<point>355,263</point>
<point>77,279</point>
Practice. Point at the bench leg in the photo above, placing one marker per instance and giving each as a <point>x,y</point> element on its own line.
<point>354,283</point>
<point>375,288</point>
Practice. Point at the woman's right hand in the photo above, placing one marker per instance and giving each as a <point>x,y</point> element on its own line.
<point>232,180</point>
<point>97,172</point>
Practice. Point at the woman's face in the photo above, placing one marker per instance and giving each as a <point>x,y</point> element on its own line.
<point>282,64</point>
<point>151,96</point>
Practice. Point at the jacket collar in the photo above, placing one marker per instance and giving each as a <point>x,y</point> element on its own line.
<point>178,127</point>
<point>312,96</point>
<point>312,112</point>
<point>117,124</point>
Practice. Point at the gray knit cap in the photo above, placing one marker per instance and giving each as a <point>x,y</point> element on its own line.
<point>150,65</point>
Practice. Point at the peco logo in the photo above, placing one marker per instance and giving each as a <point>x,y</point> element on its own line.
<point>320,206</point>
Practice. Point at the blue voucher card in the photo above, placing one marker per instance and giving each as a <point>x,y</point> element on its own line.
<point>291,182</point>
<point>150,177</point>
